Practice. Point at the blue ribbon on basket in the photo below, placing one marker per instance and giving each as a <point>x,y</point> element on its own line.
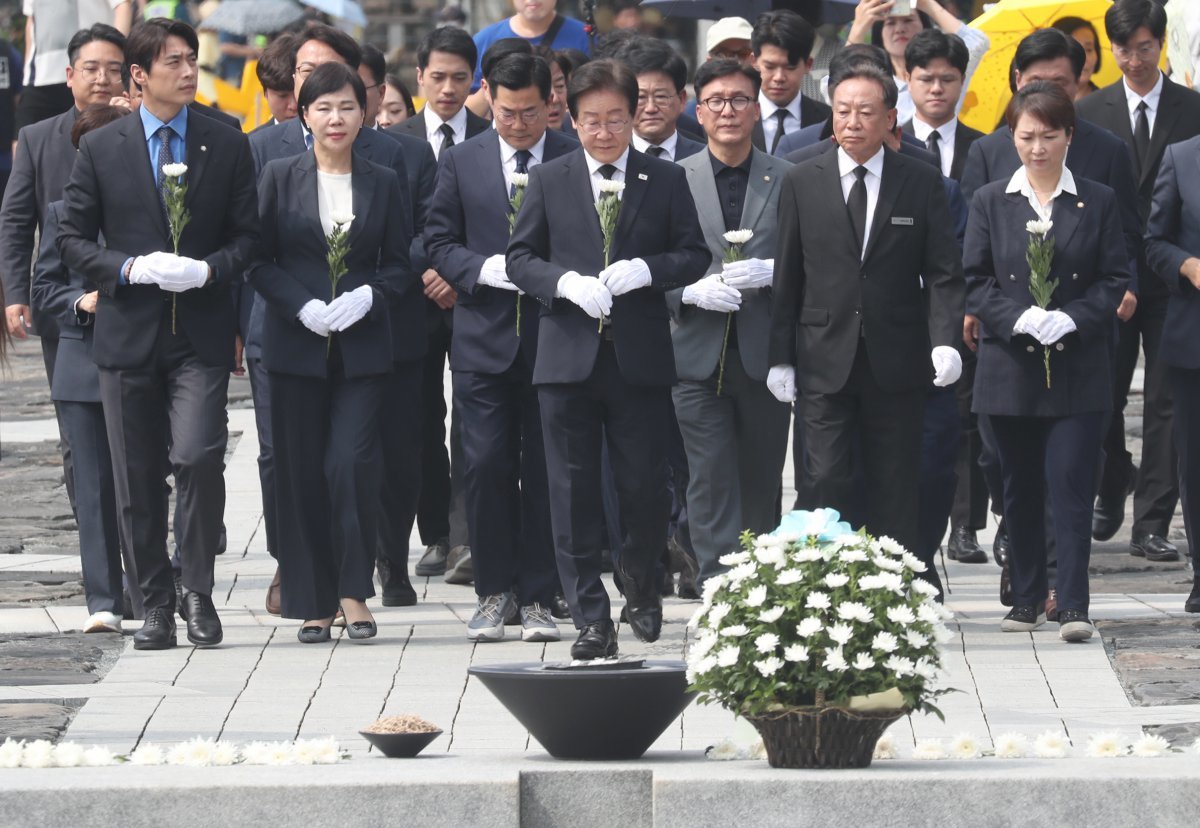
<point>823,524</point>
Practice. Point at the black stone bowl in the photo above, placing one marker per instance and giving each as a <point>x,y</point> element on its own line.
<point>593,712</point>
<point>400,745</point>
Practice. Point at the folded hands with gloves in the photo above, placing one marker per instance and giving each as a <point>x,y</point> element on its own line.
<point>168,271</point>
<point>749,273</point>
<point>1047,327</point>
<point>321,317</point>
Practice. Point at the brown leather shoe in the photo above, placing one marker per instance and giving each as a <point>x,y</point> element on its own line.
<point>273,595</point>
<point>1052,606</point>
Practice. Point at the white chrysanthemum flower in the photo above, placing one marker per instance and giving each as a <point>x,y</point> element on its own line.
<point>174,170</point>
<point>790,576</point>
<point>817,600</point>
<point>869,582</point>
<point>925,612</point>
<point>756,596</point>
<point>734,558</point>
<point>766,643</point>
<point>303,752</point>
<point>891,581</point>
<point>738,236</point>
<point>926,669</point>
<point>770,616</point>
<point>1038,227</point>
<point>723,751</point>
<point>718,612</point>
<point>769,540</point>
<point>841,633</point>
<point>855,611</point>
<point>889,545</point>
<point>768,666</point>
<point>901,666</point>
<point>912,563</point>
<point>38,754</point>
<point>965,746</point>
<point>771,556</point>
<point>863,661</point>
<point>853,555</point>
<point>928,749</point>
<point>225,754</point>
<point>68,755</point>
<point>885,748</point>
<point>1150,746</point>
<point>807,554</point>
<point>810,626</point>
<point>836,579</point>
<point>1051,745</point>
<point>901,614</point>
<point>885,642</point>
<point>341,218</point>
<point>1105,745</point>
<point>942,633</point>
<point>519,179</point>
<point>889,564</point>
<point>607,185</point>
<point>97,757</point>
<point>1011,746</point>
<point>757,750</point>
<point>835,661</point>
<point>923,588</point>
<point>705,665</point>
<point>727,656</point>
<point>916,639</point>
<point>795,652</point>
<point>698,617</point>
<point>10,753</point>
<point>736,631</point>
<point>147,755</point>
<point>279,753</point>
<point>741,573</point>
<point>326,751</point>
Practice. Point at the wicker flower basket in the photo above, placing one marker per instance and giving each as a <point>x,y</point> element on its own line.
<point>822,737</point>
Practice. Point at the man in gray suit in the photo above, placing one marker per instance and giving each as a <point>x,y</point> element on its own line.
<point>735,432</point>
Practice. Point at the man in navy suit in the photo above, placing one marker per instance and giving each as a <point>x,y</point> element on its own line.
<point>605,363</point>
<point>1173,252</point>
<point>662,77</point>
<point>782,43</point>
<point>494,343</point>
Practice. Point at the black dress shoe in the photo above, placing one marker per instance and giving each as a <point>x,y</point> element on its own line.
<point>396,587</point>
<point>643,605</point>
<point>313,634</point>
<point>963,547</point>
<point>203,625</point>
<point>1006,591</point>
<point>685,565</point>
<point>1154,548</point>
<point>559,607</point>
<point>433,562</point>
<point>157,632</point>
<point>646,622</point>
<point>1192,604</point>
<point>1107,518</point>
<point>1000,545</point>
<point>179,605</point>
<point>597,640</point>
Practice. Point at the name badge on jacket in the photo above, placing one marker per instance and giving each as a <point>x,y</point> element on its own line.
<point>907,222</point>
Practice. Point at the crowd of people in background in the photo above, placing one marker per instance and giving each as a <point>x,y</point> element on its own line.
<point>644,280</point>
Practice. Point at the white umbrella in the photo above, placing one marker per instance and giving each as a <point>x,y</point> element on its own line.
<point>347,10</point>
<point>252,17</point>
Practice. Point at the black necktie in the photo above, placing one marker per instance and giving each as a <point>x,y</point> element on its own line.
<point>934,142</point>
<point>164,154</point>
<point>657,152</point>
<point>522,160</point>
<point>448,132</point>
<point>608,171</point>
<point>780,116</point>
<point>1141,135</point>
<point>857,205</point>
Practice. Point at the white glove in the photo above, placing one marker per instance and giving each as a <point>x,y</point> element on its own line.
<point>144,268</point>
<point>749,273</point>
<point>348,308</point>
<point>1053,327</point>
<point>1027,322</point>
<point>781,381</point>
<point>947,365</point>
<point>625,275</point>
<point>493,273</point>
<point>312,316</point>
<point>710,293</point>
<point>586,292</point>
<point>179,273</point>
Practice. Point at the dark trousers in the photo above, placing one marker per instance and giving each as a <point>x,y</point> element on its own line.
<point>806,496</point>
<point>1049,458</point>
<point>1157,489</point>
<point>971,493</point>
<point>169,414</point>
<point>886,426</point>
<point>575,417</point>
<point>329,466</point>
<point>96,508</point>
<point>1185,389</point>
<point>49,342</point>
<point>504,476</point>
<point>736,444</point>
<point>400,435</point>
<point>260,390</point>
<point>939,453</point>
<point>440,511</point>
<point>989,462</point>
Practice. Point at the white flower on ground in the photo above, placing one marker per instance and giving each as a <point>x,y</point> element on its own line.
<point>279,753</point>
<point>1037,227</point>
<point>1150,747</point>
<point>255,753</point>
<point>10,753</point>
<point>885,748</point>
<point>836,579</point>
<point>915,639</point>
<point>224,754</point>
<point>789,576</point>
<point>734,558</point>
<point>795,652</point>
<point>147,755</point>
<point>736,631</point>
<point>727,656</point>
<point>809,626</point>
<point>174,170</point>
<point>1011,746</point>
<point>885,642</point>
<point>1105,745</point>
<point>723,751</point>
<point>303,752</point>
<point>326,751</point>
<point>965,746</point>
<point>38,754</point>
<point>841,633</point>
<point>738,236</point>
<point>855,611</point>
<point>770,616</point>
<point>519,179</point>
<point>901,615</point>
<point>68,755</point>
<point>768,666</point>
<point>766,643</point>
<point>863,661</point>
<point>97,757</point>
<point>835,661</point>
<point>817,600</point>
<point>757,750</point>
<point>929,749</point>
<point>757,596</point>
<point>1051,745</point>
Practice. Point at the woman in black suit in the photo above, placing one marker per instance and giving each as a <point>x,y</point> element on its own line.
<point>1048,438</point>
<point>328,351</point>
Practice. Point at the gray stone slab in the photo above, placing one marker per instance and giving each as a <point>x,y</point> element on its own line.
<point>583,798</point>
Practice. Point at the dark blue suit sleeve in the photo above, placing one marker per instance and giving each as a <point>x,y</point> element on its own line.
<point>446,231</point>
<point>1163,253</point>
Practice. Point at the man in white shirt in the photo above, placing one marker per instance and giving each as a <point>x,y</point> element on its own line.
<point>662,78</point>
<point>937,66</point>
<point>782,42</point>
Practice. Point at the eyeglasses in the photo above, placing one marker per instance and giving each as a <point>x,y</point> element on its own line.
<point>1146,52</point>
<point>91,71</point>
<point>594,127</point>
<point>717,104</point>
<point>661,100</point>
<point>507,118</point>
<point>728,54</point>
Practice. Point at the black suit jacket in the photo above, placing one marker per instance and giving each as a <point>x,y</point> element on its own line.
<point>558,231</point>
<point>812,112</point>
<point>290,268</point>
<point>904,296</point>
<point>415,126</point>
<point>1172,237</point>
<point>1091,268</point>
<point>223,118</point>
<point>468,223</point>
<point>964,136</point>
<point>112,191</point>
<point>422,168</point>
<point>685,147</point>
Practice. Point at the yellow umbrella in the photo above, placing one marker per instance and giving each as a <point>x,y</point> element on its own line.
<point>1006,23</point>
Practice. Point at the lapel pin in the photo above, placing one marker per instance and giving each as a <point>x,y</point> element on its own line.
<point>203,148</point>
<point>766,178</point>
<point>1080,205</point>
<point>643,177</point>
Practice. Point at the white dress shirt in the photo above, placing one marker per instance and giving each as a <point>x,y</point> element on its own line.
<point>947,133</point>
<point>508,159</point>
<point>668,144</point>
<point>433,128</point>
<point>594,168</point>
<point>874,165</point>
<point>1132,99</point>
<point>335,194</point>
<point>1019,183</point>
<point>769,123</point>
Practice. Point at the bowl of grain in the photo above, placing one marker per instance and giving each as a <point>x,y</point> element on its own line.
<point>400,737</point>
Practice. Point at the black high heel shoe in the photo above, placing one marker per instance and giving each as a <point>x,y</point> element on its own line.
<point>313,634</point>
<point>360,630</point>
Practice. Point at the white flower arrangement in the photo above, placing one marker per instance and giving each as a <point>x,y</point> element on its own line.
<point>1048,745</point>
<point>196,753</point>
<point>792,623</point>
